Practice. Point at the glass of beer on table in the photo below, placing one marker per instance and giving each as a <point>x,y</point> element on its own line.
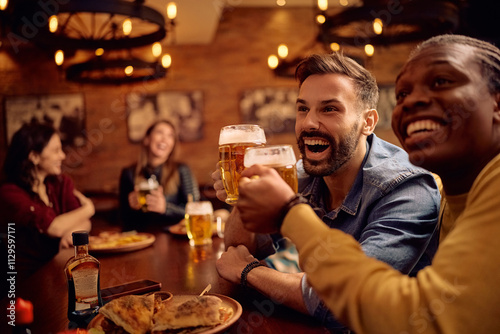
<point>199,217</point>
<point>233,140</point>
<point>280,157</point>
<point>144,188</point>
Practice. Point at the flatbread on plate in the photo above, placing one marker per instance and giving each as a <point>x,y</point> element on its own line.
<point>195,312</point>
<point>133,313</point>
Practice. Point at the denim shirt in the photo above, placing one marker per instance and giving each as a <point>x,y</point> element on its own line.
<point>392,210</point>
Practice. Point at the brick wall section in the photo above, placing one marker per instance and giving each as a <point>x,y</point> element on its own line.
<point>234,62</point>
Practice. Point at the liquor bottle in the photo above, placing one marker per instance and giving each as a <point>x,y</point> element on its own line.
<point>83,276</point>
<point>24,317</point>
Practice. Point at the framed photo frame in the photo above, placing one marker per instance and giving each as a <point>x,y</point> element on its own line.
<point>184,109</point>
<point>65,111</point>
<point>386,103</point>
<point>273,108</point>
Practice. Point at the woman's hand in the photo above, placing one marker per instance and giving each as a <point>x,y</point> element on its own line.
<point>133,200</point>
<point>156,201</point>
<point>232,262</point>
<point>85,202</point>
<point>262,196</point>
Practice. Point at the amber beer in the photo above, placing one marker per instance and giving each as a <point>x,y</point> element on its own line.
<point>280,157</point>
<point>233,141</point>
<point>144,188</point>
<point>199,217</point>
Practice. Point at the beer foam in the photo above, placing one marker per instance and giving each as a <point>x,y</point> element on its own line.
<point>199,208</point>
<point>272,156</point>
<point>230,135</point>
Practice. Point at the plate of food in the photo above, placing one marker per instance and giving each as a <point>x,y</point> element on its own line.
<point>117,242</point>
<point>181,314</point>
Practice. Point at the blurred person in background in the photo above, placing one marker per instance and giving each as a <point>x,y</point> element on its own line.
<point>37,199</point>
<point>176,184</point>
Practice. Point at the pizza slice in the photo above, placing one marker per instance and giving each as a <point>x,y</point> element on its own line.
<point>198,311</point>
<point>133,313</point>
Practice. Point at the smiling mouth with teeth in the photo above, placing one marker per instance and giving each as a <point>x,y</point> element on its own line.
<point>316,145</point>
<point>422,126</point>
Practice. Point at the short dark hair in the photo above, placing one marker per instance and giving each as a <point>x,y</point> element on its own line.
<point>31,137</point>
<point>336,63</point>
<point>487,55</point>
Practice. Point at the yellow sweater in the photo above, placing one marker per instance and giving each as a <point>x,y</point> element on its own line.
<point>458,293</point>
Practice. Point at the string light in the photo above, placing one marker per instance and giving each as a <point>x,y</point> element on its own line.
<point>272,62</point>
<point>59,57</point>
<point>369,50</point>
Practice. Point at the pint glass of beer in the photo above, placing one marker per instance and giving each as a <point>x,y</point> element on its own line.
<point>233,141</point>
<point>199,216</point>
<point>280,157</point>
<point>145,186</point>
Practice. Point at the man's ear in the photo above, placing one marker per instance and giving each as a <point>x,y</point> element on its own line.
<point>496,108</point>
<point>370,121</point>
<point>34,158</point>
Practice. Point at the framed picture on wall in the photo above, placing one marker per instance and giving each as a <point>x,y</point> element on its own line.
<point>184,109</point>
<point>65,111</point>
<point>386,103</point>
<point>273,108</point>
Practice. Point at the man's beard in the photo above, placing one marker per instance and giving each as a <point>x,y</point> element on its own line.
<point>340,153</point>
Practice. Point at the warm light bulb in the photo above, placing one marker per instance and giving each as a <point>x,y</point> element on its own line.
<point>127,27</point>
<point>166,61</point>
<point>99,52</point>
<point>129,70</point>
<point>171,10</point>
<point>323,5</point>
<point>320,19</point>
<point>3,4</point>
<point>369,50</point>
<point>344,2</point>
<point>281,3</point>
<point>282,51</point>
<point>156,49</point>
<point>335,47</point>
<point>53,23</point>
<point>59,57</point>
<point>272,62</point>
<point>378,26</point>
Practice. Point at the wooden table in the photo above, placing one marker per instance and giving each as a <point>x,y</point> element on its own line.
<point>180,268</point>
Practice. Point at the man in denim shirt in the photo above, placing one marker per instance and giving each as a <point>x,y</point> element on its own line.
<point>355,181</point>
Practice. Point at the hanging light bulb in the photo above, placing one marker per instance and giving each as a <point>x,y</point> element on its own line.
<point>166,61</point>
<point>323,5</point>
<point>171,10</point>
<point>127,27</point>
<point>378,25</point>
<point>344,3</point>
<point>53,23</point>
<point>3,4</point>
<point>369,50</point>
<point>320,18</point>
<point>272,62</point>
<point>281,3</point>
<point>59,57</point>
<point>156,49</point>
<point>335,47</point>
<point>282,51</point>
<point>99,52</point>
<point>129,70</point>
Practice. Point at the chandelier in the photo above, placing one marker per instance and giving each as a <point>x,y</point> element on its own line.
<point>105,39</point>
<point>370,24</point>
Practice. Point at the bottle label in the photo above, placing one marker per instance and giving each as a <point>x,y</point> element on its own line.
<point>85,280</point>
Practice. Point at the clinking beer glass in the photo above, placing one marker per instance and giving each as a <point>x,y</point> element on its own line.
<point>233,140</point>
<point>199,217</point>
<point>280,157</point>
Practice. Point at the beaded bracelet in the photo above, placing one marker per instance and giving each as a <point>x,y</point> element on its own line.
<point>247,269</point>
